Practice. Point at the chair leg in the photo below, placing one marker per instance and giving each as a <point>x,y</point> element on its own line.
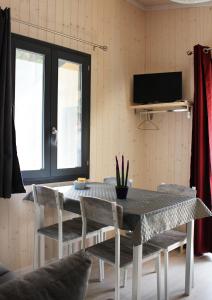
<point>101,263</point>
<point>192,283</point>
<point>117,265</point>
<point>70,249</point>
<point>41,250</point>
<point>102,238</point>
<point>166,266</point>
<point>73,247</point>
<point>193,276</point>
<point>124,277</point>
<point>60,249</point>
<point>158,270</point>
<point>35,253</point>
<point>117,282</point>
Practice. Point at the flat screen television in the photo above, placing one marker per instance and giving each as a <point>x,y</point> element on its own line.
<point>157,87</point>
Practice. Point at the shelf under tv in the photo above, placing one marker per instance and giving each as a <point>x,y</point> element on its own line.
<point>176,106</point>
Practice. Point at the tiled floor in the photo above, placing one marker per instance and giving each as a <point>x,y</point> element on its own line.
<point>202,290</point>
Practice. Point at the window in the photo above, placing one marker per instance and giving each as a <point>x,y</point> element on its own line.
<point>69,97</point>
<point>52,110</point>
<point>29,94</point>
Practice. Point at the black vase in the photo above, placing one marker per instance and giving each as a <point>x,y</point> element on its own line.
<point>121,192</point>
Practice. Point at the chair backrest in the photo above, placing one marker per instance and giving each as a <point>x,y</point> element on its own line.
<point>177,189</point>
<point>104,212</point>
<point>101,211</point>
<point>46,196</point>
<point>112,180</point>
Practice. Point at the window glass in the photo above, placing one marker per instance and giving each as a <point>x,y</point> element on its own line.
<point>29,89</point>
<point>69,114</point>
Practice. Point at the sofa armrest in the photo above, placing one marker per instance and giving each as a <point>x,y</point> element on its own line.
<point>66,279</point>
<point>5,274</point>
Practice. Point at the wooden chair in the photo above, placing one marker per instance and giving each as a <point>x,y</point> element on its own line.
<point>112,180</point>
<point>116,251</point>
<point>172,239</point>
<point>66,233</point>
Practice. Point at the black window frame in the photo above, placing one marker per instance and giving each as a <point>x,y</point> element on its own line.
<point>52,53</point>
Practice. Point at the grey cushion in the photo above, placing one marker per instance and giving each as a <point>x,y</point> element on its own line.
<point>66,279</point>
<point>106,251</point>
<point>5,274</point>
<point>72,229</point>
<point>168,238</point>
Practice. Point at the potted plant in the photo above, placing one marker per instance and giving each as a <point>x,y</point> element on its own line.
<point>121,179</point>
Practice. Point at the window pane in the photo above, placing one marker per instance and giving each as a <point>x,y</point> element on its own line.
<point>29,89</point>
<point>69,115</point>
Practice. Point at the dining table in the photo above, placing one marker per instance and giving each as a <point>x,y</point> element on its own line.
<point>146,213</point>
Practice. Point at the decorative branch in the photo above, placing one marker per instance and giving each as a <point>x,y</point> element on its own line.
<point>126,179</point>
<point>121,179</point>
<point>118,179</point>
<point>122,170</point>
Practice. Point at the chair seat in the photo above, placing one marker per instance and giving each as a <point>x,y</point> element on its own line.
<point>168,238</point>
<point>106,251</point>
<point>72,229</point>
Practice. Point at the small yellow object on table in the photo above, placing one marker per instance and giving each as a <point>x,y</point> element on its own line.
<point>81,179</point>
<point>80,183</point>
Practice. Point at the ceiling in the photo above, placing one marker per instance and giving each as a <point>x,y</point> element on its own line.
<point>162,4</point>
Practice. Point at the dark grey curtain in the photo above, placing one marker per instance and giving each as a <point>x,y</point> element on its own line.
<point>10,175</point>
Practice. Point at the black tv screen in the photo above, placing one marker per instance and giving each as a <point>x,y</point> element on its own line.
<point>157,87</point>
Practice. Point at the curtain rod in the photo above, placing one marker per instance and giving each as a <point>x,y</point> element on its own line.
<point>94,45</point>
<point>205,50</point>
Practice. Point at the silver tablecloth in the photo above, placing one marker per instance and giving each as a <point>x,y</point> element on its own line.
<point>146,213</point>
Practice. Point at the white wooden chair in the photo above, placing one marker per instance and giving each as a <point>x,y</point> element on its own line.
<point>112,180</point>
<point>171,239</point>
<point>66,233</point>
<point>116,251</point>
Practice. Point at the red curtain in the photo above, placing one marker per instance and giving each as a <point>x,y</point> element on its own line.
<point>201,152</point>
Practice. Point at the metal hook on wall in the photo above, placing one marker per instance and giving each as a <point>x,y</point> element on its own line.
<point>147,121</point>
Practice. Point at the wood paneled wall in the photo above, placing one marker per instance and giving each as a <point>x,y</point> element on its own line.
<point>138,42</point>
<point>120,26</point>
<point>169,34</point>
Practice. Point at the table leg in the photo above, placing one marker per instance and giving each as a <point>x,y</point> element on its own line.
<point>189,257</point>
<point>137,272</point>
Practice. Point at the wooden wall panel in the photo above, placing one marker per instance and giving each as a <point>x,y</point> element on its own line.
<point>151,42</point>
<point>119,25</point>
<point>169,34</point>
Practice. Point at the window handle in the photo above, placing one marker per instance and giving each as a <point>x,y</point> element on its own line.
<point>54,130</point>
<point>54,133</point>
